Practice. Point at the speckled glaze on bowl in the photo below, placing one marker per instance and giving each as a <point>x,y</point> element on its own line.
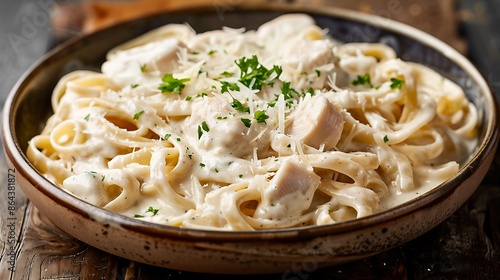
<point>270,251</point>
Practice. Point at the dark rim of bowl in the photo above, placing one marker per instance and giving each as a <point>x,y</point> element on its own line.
<point>18,157</point>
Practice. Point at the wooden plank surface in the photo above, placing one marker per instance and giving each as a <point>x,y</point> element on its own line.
<point>465,246</point>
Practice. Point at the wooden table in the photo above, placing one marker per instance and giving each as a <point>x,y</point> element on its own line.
<point>465,246</point>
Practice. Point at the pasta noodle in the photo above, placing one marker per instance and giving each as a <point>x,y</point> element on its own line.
<point>245,130</point>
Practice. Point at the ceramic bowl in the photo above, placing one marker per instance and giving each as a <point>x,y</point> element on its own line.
<point>269,251</point>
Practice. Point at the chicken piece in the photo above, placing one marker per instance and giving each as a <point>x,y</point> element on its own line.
<point>228,135</point>
<point>317,122</point>
<point>289,193</point>
<point>182,32</point>
<point>307,56</point>
<point>127,66</point>
<point>286,26</point>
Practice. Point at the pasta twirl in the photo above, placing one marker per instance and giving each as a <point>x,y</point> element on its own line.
<point>245,130</point>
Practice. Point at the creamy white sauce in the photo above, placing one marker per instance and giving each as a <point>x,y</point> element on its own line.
<point>171,132</point>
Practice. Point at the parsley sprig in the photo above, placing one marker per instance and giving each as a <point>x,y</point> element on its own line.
<point>363,80</point>
<point>260,116</point>
<point>201,128</point>
<point>246,122</point>
<point>288,93</point>
<point>153,211</point>
<point>396,83</point>
<point>254,72</point>
<point>226,86</point>
<point>138,114</point>
<point>238,106</point>
<point>171,84</point>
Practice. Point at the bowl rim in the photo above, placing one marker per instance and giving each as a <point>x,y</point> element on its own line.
<point>18,158</point>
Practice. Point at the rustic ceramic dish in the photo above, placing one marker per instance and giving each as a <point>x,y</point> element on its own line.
<point>268,251</point>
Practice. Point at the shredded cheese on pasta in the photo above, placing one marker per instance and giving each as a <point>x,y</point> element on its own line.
<point>245,130</point>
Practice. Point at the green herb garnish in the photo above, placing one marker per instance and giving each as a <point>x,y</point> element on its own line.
<point>152,210</point>
<point>260,116</point>
<point>246,122</point>
<point>255,74</point>
<point>205,126</point>
<point>363,80</point>
<point>200,132</point>
<point>227,74</point>
<point>171,84</point>
<point>238,106</point>
<point>226,86</point>
<point>138,114</point>
<point>396,83</point>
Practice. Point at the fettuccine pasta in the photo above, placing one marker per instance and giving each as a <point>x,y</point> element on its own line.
<point>246,130</point>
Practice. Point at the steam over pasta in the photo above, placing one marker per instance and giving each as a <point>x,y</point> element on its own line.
<point>245,130</point>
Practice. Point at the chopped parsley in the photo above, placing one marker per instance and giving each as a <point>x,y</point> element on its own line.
<point>260,116</point>
<point>201,128</point>
<point>246,122</point>
<point>87,117</point>
<point>238,106</point>
<point>226,86</point>
<point>143,67</point>
<point>386,139</point>
<point>318,72</point>
<point>396,83</point>
<point>211,52</point>
<point>205,126</point>
<point>255,74</point>
<point>288,93</point>
<point>138,114</point>
<point>227,74</point>
<point>200,132</point>
<point>103,177</point>
<point>166,136</point>
<point>202,164</point>
<point>309,90</point>
<point>171,84</point>
<point>134,85</point>
<point>188,98</point>
<point>363,80</point>
<point>153,211</point>
<point>222,118</point>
